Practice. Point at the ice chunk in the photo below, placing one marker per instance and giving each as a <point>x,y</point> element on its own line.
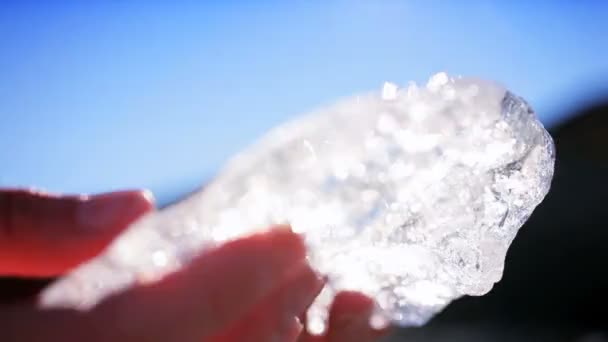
<point>410,196</point>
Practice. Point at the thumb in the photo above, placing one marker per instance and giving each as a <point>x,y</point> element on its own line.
<point>46,235</point>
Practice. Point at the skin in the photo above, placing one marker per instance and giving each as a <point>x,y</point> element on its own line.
<point>250,289</point>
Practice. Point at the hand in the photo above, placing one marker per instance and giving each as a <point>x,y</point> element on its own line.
<point>251,289</point>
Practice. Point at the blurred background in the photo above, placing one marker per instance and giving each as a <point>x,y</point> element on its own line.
<point>127,94</point>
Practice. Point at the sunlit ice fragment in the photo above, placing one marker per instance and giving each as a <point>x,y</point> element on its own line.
<point>411,196</point>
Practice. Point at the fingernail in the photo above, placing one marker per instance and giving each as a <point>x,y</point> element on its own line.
<point>110,210</point>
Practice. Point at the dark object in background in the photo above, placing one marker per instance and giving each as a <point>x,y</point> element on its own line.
<point>555,285</point>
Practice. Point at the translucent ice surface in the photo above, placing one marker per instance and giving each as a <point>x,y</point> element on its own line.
<point>409,195</point>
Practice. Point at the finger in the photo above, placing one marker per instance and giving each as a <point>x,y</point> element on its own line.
<point>349,319</point>
<point>214,291</point>
<point>45,235</point>
<point>275,318</point>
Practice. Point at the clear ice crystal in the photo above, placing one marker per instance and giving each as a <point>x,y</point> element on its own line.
<point>411,196</point>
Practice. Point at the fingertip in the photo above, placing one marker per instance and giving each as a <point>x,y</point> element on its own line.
<point>113,211</point>
<point>45,234</point>
<point>350,316</point>
<point>148,197</point>
<point>265,257</point>
<point>288,240</point>
<point>280,243</point>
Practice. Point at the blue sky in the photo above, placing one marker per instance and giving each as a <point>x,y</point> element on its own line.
<point>96,97</point>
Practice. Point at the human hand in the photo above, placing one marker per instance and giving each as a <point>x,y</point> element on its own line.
<point>250,289</point>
